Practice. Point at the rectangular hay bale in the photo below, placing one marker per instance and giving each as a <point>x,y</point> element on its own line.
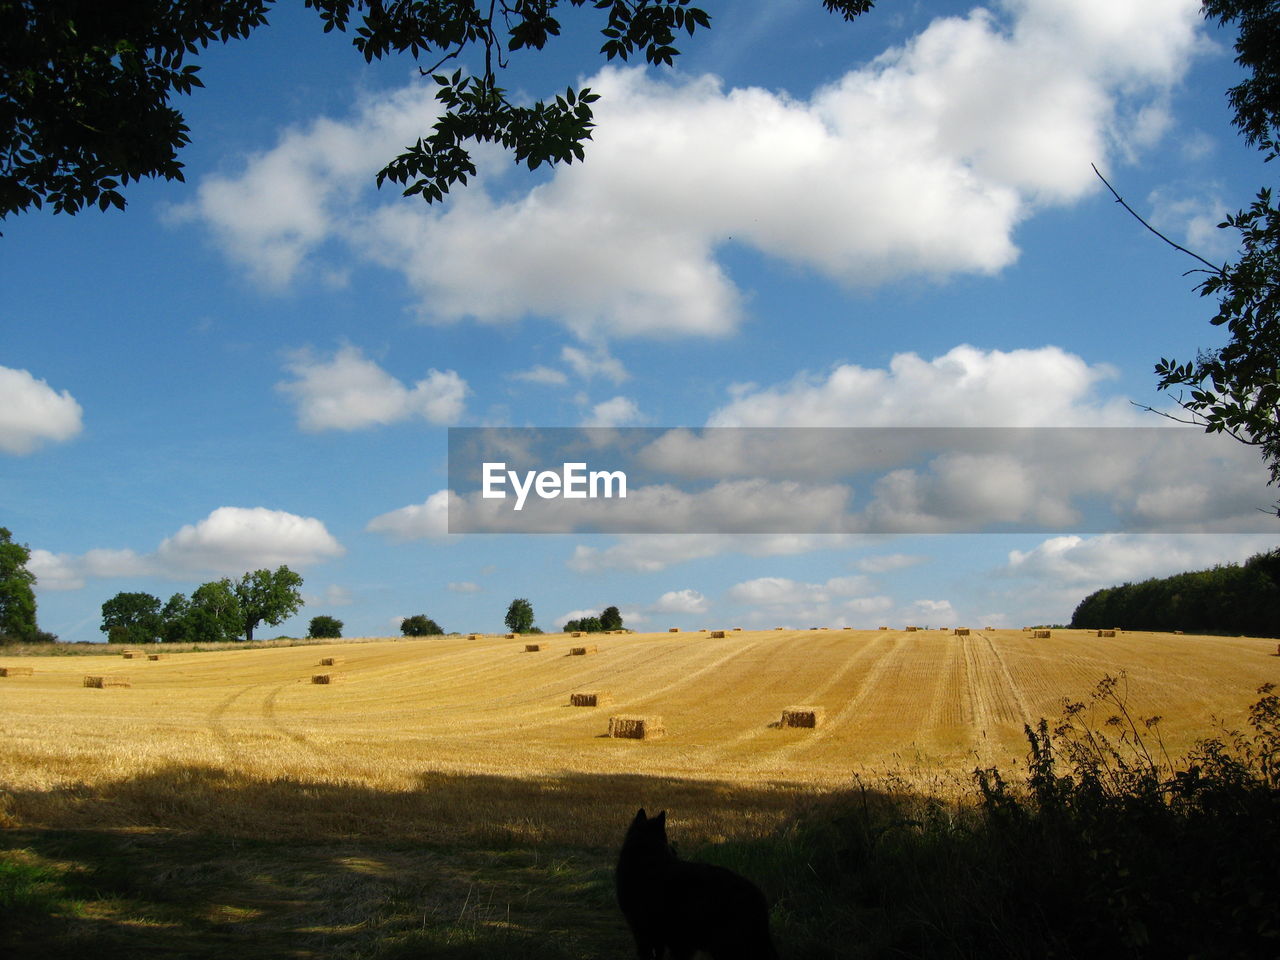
<point>803,716</point>
<point>1040,634</point>
<point>576,633</point>
<point>583,651</point>
<point>330,661</point>
<point>673,630</point>
<point>1106,633</point>
<point>532,647</point>
<point>157,656</point>
<point>509,636</point>
<point>325,677</point>
<point>912,629</point>
<point>636,728</point>
<point>717,634</point>
<point>101,682</point>
<point>594,698</point>
<point>15,671</point>
<point>962,631</point>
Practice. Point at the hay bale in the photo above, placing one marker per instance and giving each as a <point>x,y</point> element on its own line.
<point>509,636</point>
<point>532,647</point>
<point>636,728</point>
<point>1040,634</point>
<point>473,636</point>
<point>962,631</point>
<point>717,634</point>
<point>846,628</point>
<point>576,633</point>
<point>15,671</point>
<point>884,628</point>
<point>325,677</point>
<point>594,698</point>
<point>673,630</point>
<point>582,651</point>
<point>803,716</point>
<point>1177,633</point>
<point>102,682</point>
<point>131,655</point>
<point>912,629</point>
<point>737,629</point>
<point>1106,633</point>
<point>157,656</point>
<point>330,661</point>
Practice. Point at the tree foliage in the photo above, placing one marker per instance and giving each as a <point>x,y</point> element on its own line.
<point>420,625</point>
<point>324,628</point>
<point>1232,599</point>
<point>267,597</point>
<point>132,618</point>
<point>519,618</point>
<point>17,596</point>
<point>86,88</point>
<point>611,618</point>
<point>1236,389</point>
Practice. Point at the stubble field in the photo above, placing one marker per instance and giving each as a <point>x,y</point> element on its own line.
<point>462,761</point>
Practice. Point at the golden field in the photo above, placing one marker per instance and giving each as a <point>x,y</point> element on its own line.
<point>404,713</point>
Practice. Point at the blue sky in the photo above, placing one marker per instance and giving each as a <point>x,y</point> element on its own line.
<point>888,223</point>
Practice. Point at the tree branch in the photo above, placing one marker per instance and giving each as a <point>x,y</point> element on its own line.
<point>1120,200</point>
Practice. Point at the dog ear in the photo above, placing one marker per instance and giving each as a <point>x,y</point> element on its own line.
<point>639,817</point>
<point>661,819</point>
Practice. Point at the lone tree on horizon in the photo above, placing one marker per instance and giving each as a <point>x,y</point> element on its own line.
<point>519,617</point>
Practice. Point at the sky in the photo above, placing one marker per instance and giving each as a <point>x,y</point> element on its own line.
<point>889,223</point>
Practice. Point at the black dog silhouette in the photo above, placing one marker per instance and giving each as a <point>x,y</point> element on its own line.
<point>683,906</point>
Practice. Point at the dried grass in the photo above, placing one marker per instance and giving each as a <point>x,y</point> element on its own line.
<point>803,716</point>
<point>636,727</point>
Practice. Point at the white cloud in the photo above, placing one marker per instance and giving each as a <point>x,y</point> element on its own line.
<point>965,387</point>
<point>463,586</point>
<point>350,392</point>
<point>1111,559</point>
<point>888,562</point>
<point>681,601</point>
<point>920,163</point>
<point>598,363</point>
<point>780,591</point>
<point>32,412</point>
<point>652,552</point>
<point>229,542</point>
<point>1191,217</point>
<point>618,412</point>
<point>235,539</point>
<point>543,375</point>
<point>426,520</point>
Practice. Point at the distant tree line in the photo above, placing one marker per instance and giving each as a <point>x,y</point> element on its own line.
<point>216,612</point>
<point>609,619</point>
<point>1234,599</point>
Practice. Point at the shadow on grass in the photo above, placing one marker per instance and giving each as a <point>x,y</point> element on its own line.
<point>192,861</point>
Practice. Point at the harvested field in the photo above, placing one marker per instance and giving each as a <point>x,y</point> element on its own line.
<point>893,699</point>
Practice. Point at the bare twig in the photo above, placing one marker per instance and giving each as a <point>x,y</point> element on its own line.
<point>1120,200</point>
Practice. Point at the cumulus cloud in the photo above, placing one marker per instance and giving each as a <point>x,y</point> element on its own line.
<point>463,586</point>
<point>681,601</point>
<point>618,412</point>
<point>650,553</point>
<point>780,591</point>
<point>597,363</point>
<point>964,387</point>
<point>228,542</point>
<point>32,412</point>
<point>235,539</point>
<point>1090,562</point>
<point>888,562</point>
<point>920,163</point>
<point>350,392</point>
<point>426,520</point>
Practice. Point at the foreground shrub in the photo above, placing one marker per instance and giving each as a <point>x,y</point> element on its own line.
<point>1105,848</point>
